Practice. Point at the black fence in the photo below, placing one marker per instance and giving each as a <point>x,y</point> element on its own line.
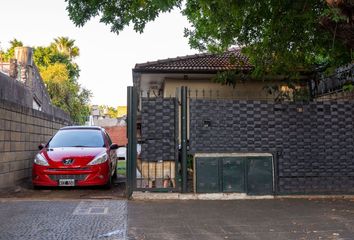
<point>158,161</point>
<point>323,85</point>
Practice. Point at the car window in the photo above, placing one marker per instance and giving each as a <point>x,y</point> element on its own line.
<point>109,139</point>
<point>77,138</point>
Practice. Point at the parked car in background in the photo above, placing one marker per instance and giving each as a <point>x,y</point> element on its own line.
<point>76,156</point>
<point>122,161</point>
<point>122,153</point>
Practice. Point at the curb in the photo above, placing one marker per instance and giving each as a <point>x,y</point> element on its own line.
<point>227,196</point>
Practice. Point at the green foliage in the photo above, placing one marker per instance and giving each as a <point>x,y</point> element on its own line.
<point>349,87</point>
<point>60,73</point>
<point>230,77</point>
<point>290,90</point>
<point>279,37</point>
<point>119,13</point>
<point>66,47</point>
<point>10,53</point>
<point>280,96</point>
<point>301,95</point>
<point>335,14</point>
<point>46,56</point>
<point>108,110</point>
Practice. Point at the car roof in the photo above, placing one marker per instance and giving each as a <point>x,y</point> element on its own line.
<point>82,127</point>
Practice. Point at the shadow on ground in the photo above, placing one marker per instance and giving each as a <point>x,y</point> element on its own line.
<point>26,190</point>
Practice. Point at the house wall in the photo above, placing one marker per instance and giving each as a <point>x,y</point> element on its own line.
<point>118,134</point>
<point>22,129</point>
<point>249,90</point>
<point>115,127</point>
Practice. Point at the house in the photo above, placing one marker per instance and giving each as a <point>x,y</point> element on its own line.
<point>242,139</point>
<point>198,71</point>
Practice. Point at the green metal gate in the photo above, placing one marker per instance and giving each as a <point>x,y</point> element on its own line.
<point>209,181</point>
<point>259,174</point>
<point>252,175</point>
<point>233,174</point>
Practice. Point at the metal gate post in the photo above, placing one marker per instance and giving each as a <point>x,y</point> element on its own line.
<point>184,138</point>
<point>132,141</point>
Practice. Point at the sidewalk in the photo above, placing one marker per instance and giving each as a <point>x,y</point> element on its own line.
<point>276,219</point>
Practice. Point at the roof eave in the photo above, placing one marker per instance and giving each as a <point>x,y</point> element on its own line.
<point>186,71</point>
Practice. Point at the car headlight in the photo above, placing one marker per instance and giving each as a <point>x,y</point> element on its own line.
<point>40,160</point>
<point>101,158</point>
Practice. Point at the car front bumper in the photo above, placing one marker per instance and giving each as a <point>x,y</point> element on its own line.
<point>84,176</point>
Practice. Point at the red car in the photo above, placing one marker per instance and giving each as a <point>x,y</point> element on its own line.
<point>76,156</point>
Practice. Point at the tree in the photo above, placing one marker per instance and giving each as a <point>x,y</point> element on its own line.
<point>66,47</point>
<point>108,110</point>
<point>10,53</point>
<point>60,75</point>
<point>278,36</point>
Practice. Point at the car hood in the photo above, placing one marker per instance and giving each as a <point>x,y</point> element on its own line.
<point>81,156</point>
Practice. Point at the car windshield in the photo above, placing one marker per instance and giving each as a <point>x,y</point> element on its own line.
<point>77,138</point>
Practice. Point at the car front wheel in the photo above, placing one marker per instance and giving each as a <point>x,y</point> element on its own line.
<point>108,185</point>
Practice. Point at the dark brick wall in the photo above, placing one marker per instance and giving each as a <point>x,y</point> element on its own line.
<point>158,129</point>
<point>313,143</point>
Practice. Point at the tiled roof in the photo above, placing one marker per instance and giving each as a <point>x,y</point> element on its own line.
<point>206,62</point>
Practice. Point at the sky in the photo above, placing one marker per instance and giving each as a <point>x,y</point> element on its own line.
<point>106,59</point>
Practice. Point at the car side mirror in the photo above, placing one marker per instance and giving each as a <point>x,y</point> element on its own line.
<point>41,146</point>
<point>119,146</point>
<point>113,146</point>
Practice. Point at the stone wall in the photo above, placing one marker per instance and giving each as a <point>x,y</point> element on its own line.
<point>22,129</point>
<point>24,93</point>
<point>15,91</point>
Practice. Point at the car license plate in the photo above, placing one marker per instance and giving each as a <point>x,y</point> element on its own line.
<point>66,182</point>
